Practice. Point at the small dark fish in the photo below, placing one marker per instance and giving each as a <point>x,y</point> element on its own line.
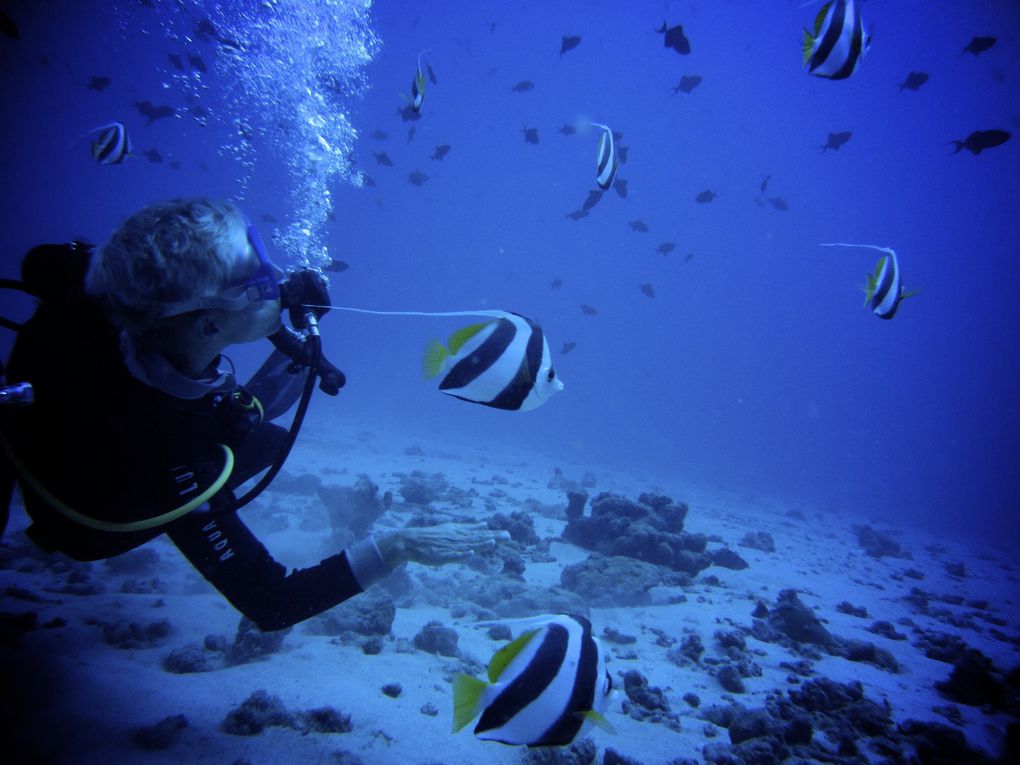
<point>688,257</point>
<point>979,45</point>
<point>431,74</point>
<point>779,203</point>
<point>914,81</point>
<point>153,155</point>
<point>638,225</point>
<point>410,133</point>
<point>147,3</point>
<point>269,217</point>
<point>441,151</point>
<point>569,43</point>
<point>205,31</point>
<point>417,178</point>
<point>175,59</point>
<point>568,130</point>
<point>593,199</point>
<point>620,187</point>
<point>836,140</point>
<point>382,158</point>
<point>8,27</point>
<point>197,63</point>
<point>556,283</point>
<point>378,135</point>
<point>577,214</point>
<point>764,184</point>
<point>567,347</point>
<point>151,112</point>
<point>675,39</point>
<point>587,310</point>
<point>337,266</point>
<point>686,84</point>
<point>980,140</point>
<point>665,248</point>
<point>367,181</point>
<point>175,165</point>
<point>647,290</point>
<point>99,84</point>
<point>522,87</point>
<point>705,197</point>
<point>530,135</point>
<point>408,114</point>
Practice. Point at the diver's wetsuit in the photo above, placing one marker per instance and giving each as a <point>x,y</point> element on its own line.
<point>117,450</point>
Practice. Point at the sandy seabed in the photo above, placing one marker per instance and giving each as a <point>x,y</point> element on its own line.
<point>72,696</point>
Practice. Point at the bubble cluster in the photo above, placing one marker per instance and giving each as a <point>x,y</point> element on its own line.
<point>284,75</point>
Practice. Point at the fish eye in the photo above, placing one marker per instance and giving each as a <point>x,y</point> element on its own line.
<point>550,375</point>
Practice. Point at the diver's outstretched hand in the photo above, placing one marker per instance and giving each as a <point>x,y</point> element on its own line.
<point>436,545</point>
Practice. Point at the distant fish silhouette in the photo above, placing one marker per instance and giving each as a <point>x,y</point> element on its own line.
<point>688,257</point>
<point>410,133</point>
<point>675,39</point>
<point>687,84</point>
<point>378,135</point>
<point>269,217</point>
<point>336,266</point>
<point>431,73</point>
<point>197,63</point>
<point>593,199</point>
<point>665,248</point>
<point>620,187</point>
<point>151,112</point>
<point>408,114</point>
<point>567,347</point>
<point>175,59</point>
<point>836,140</point>
<point>98,84</point>
<point>382,158</point>
<point>530,135</point>
<point>779,203</point>
<point>577,214</point>
<point>914,81</point>
<point>569,43</point>
<point>522,87</point>
<point>705,197</point>
<point>556,283</point>
<point>588,310</point>
<point>441,151</point>
<point>979,45</point>
<point>764,184</point>
<point>980,140</point>
<point>417,178</point>
<point>568,130</point>
<point>647,290</point>
<point>153,155</point>
<point>638,225</point>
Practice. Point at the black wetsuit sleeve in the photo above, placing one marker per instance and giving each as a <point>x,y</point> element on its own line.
<point>236,563</point>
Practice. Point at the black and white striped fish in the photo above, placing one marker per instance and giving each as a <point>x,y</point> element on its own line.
<point>884,291</point>
<point>606,161</point>
<point>111,145</point>
<point>504,363</point>
<point>543,688</point>
<point>837,44</point>
<point>418,87</point>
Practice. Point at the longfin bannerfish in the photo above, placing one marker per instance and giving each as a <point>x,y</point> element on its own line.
<point>504,362</point>
<point>837,43</point>
<point>418,86</point>
<point>112,144</point>
<point>884,291</point>
<point>606,161</point>
<point>543,688</point>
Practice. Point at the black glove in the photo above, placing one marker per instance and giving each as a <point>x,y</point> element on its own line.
<point>305,352</point>
<point>306,287</point>
<point>331,379</point>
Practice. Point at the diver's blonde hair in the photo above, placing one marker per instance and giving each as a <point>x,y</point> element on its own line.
<point>168,252</point>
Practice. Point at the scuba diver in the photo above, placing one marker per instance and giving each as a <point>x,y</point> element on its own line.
<point>121,420</point>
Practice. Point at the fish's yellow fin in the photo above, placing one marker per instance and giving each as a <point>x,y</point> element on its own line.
<point>820,18</point>
<point>807,44</point>
<point>461,336</point>
<point>435,355</point>
<point>598,720</point>
<point>507,653</point>
<point>869,289</point>
<point>908,293</point>
<point>467,698</point>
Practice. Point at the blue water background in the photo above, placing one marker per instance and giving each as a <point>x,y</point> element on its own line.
<point>755,367</point>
